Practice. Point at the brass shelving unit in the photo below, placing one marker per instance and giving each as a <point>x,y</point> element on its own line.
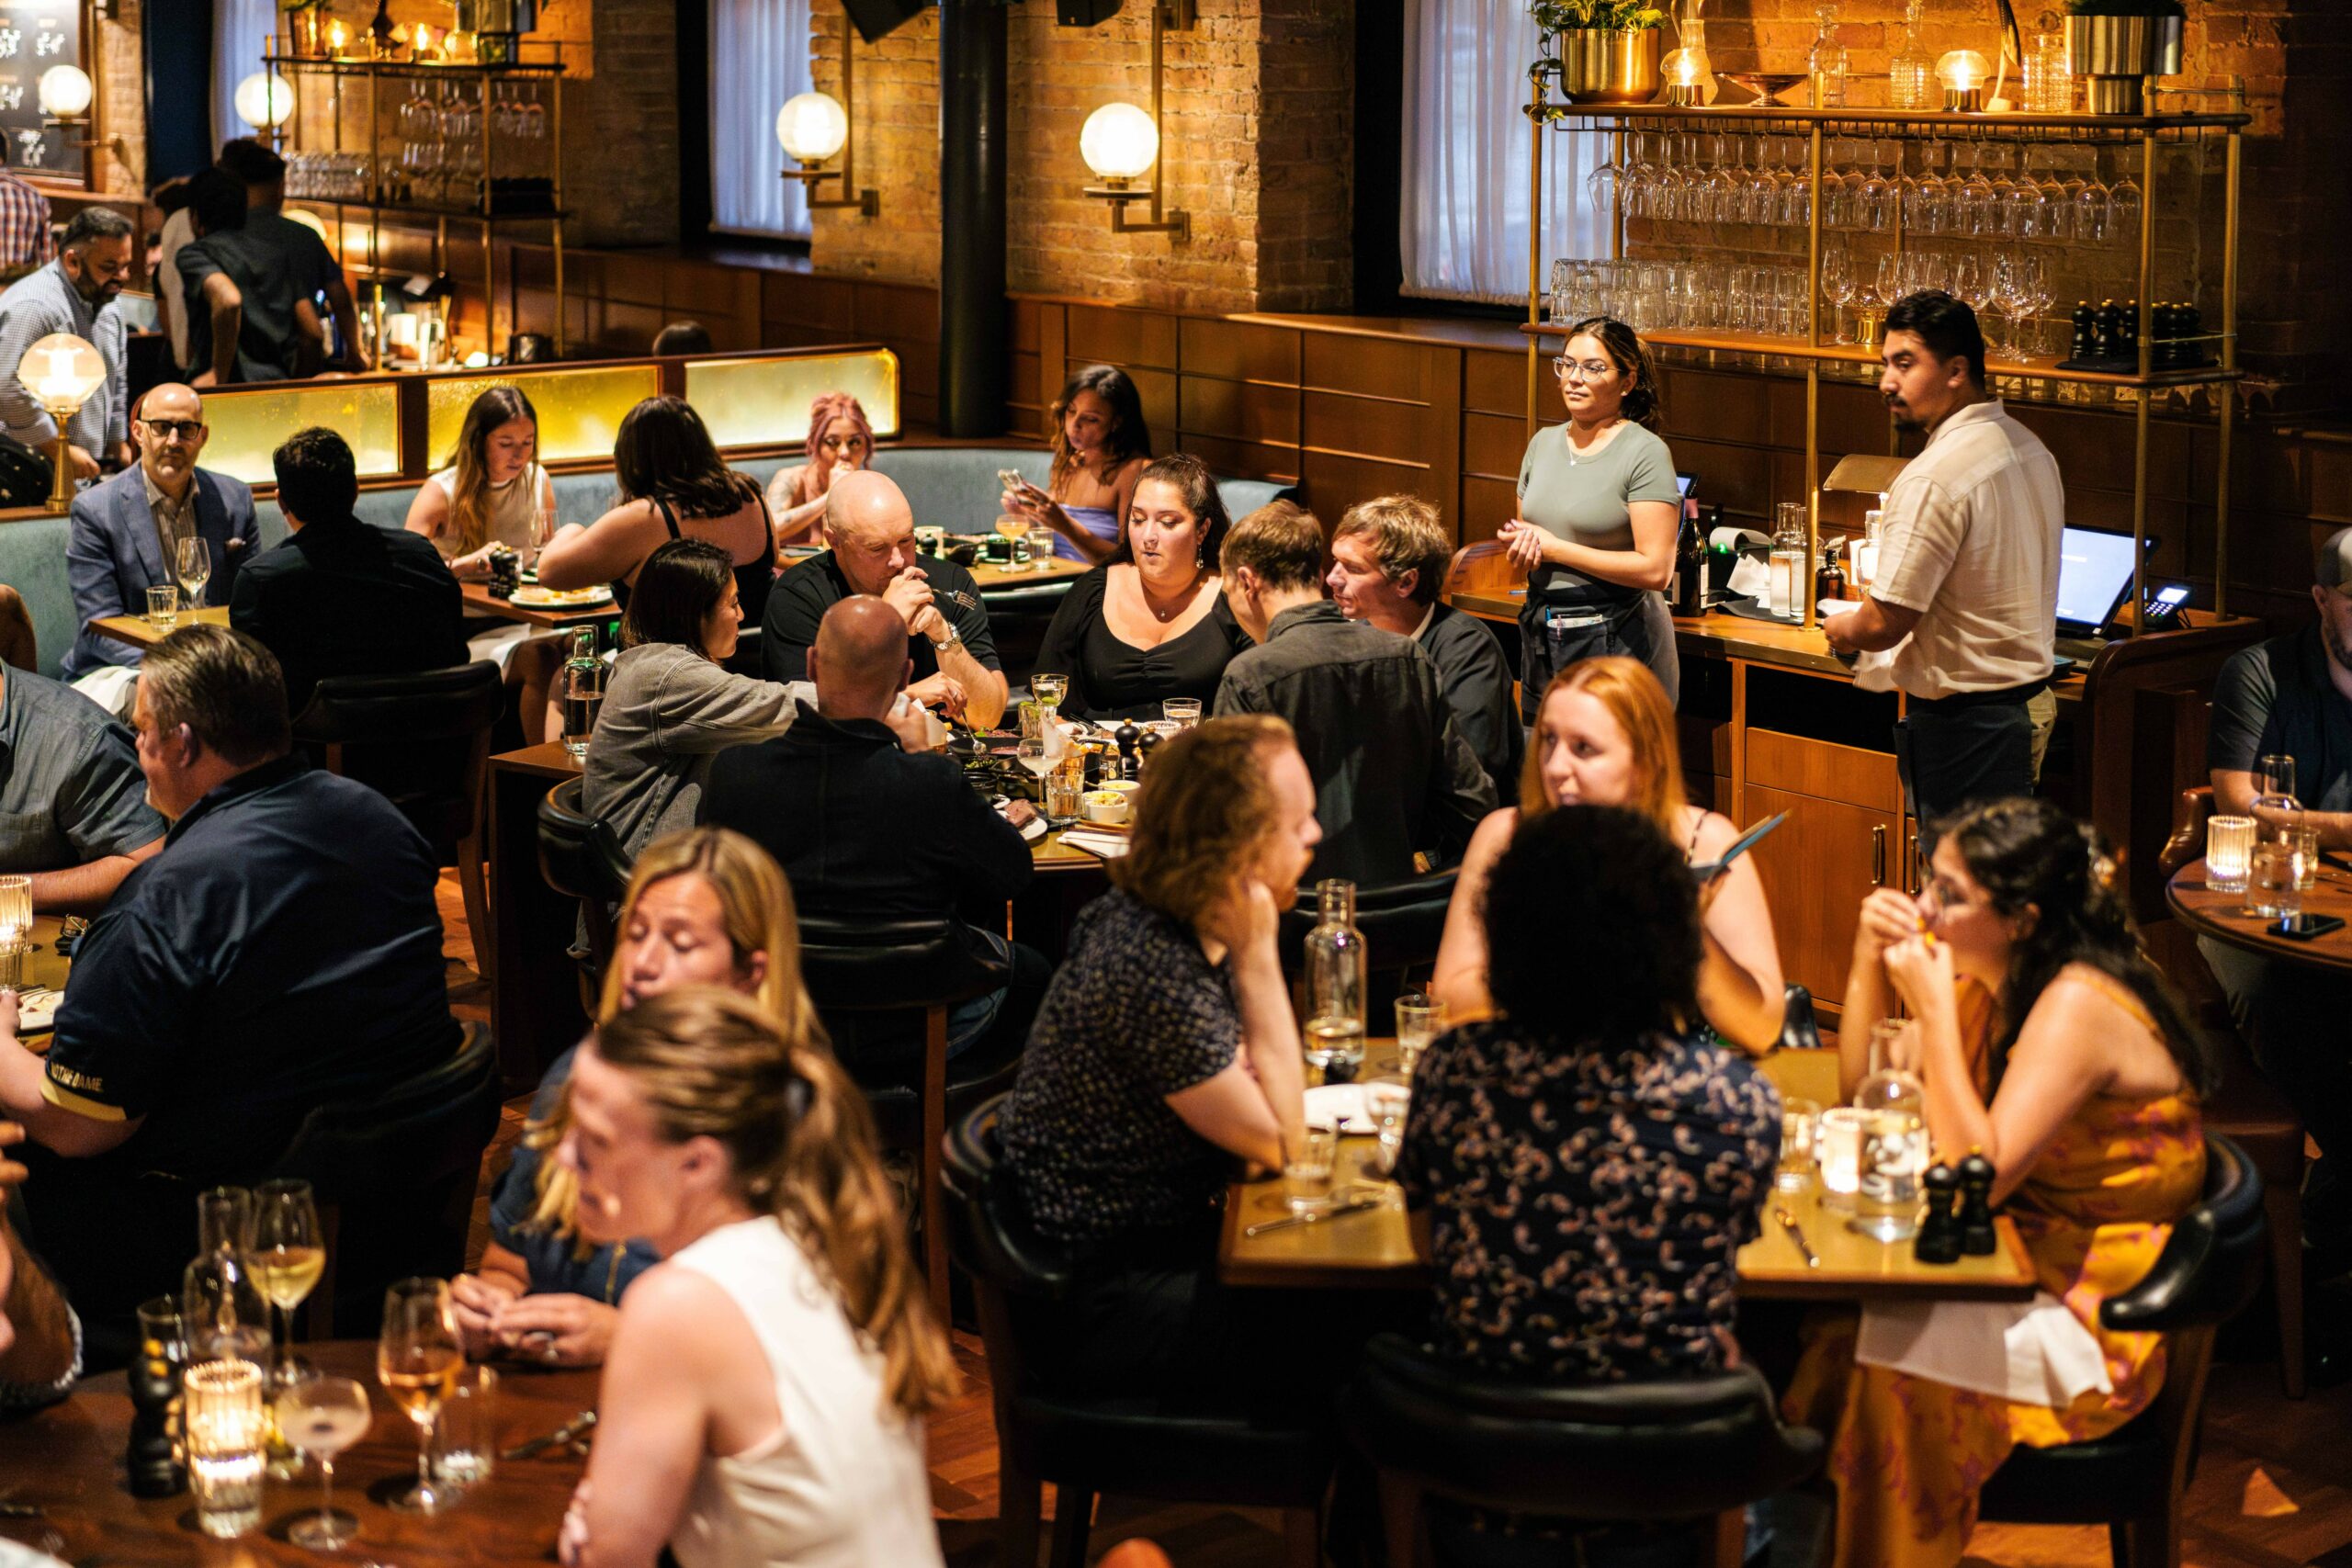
<point>541,62</point>
<point>2144,132</point>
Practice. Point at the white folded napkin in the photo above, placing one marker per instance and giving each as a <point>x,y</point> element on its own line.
<point>2031,1352</point>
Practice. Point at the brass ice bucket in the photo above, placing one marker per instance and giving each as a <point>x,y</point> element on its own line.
<point>1601,66</point>
<point>2111,54</point>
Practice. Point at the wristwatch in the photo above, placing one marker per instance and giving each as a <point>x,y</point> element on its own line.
<point>951,639</point>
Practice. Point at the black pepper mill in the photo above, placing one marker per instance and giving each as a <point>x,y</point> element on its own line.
<point>1144,749</point>
<point>1128,736</point>
<point>154,1377</point>
<point>1939,1237</point>
<point>1977,1238</point>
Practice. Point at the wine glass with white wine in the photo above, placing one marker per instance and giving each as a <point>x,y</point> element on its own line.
<point>322,1416</point>
<point>287,1257</point>
<point>194,568</point>
<point>418,1357</point>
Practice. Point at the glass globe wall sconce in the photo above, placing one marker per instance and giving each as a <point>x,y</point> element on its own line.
<point>62,371</point>
<point>265,101</point>
<point>65,93</point>
<point>814,129</point>
<point>1121,143</point>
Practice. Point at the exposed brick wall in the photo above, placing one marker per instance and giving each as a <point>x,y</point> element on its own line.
<point>1257,139</point>
<point>119,73</point>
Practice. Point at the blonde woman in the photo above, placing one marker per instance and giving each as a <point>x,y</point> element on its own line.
<point>492,492</point>
<point>764,1396</point>
<point>706,907</point>
<point>1604,736</point>
<point>1165,1051</point>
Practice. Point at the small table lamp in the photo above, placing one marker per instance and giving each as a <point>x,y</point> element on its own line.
<point>61,371</point>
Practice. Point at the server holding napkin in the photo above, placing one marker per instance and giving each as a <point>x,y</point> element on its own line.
<point>1597,514</point>
<point>1964,601</point>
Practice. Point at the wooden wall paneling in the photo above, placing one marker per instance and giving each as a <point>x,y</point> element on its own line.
<point>892,311</point>
<point>1442,380</point>
<point>1239,351</point>
<point>1496,383</point>
<point>637,279</point>
<point>1238,411</point>
<point>1387,367</point>
<point>801,300</point>
<point>1335,481</point>
<point>1053,355</point>
<point>1493,445</point>
<point>1726,408</point>
<point>1107,334</point>
<point>1245,459</point>
<point>1737,478</point>
<point>1486,505</point>
<point>1384,429</point>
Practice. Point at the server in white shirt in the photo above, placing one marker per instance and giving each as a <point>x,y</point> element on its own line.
<point>1966,599</point>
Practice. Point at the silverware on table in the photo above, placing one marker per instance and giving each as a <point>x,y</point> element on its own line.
<point>1796,1234</point>
<point>570,1431</point>
<point>1355,1207</point>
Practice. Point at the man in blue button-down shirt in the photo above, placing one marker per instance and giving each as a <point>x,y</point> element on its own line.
<point>74,294</point>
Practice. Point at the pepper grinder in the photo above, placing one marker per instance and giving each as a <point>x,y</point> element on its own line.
<point>1145,749</point>
<point>152,1460</point>
<point>1939,1238</point>
<point>1128,736</point>
<point>1977,1238</point>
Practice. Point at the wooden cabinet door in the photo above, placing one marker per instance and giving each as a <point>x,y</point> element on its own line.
<point>1817,868</point>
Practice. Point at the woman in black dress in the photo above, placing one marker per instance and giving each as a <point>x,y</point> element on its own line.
<point>1151,622</point>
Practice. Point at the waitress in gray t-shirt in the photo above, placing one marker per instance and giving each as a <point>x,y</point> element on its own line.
<point>1598,512</point>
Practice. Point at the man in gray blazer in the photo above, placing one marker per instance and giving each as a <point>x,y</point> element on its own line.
<point>125,534</point>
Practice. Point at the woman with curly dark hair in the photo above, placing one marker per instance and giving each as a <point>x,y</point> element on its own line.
<point>1165,1051</point>
<point>2046,1040</point>
<point>1588,1168</point>
<point>1598,512</point>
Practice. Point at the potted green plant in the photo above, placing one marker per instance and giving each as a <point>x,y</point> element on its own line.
<point>1601,52</point>
<point>2113,44</point>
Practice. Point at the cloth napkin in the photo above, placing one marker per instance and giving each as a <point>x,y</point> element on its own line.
<point>2031,1352</point>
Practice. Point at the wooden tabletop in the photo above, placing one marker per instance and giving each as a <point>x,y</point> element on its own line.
<point>1037,574</point>
<point>45,966</point>
<point>2222,917</point>
<point>1374,1249</point>
<point>479,601</point>
<point>140,632</point>
<point>67,1460</point>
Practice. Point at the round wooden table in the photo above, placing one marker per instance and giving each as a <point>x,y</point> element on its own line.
<point>2219,916</point>
<point>67,1460</point>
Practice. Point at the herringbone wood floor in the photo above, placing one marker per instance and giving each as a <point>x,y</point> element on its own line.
<point>2273,1487</point>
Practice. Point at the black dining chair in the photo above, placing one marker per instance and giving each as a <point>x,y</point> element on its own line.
<point>1685,1448</point>
<point>394,1176</point>
<point>864,977</point>
<point>1086,1447</point>
<point>422,741</point>
<point>2132,1480</point>
<point>581,856</point>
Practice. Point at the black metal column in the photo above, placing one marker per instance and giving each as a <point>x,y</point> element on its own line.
<point>971,217</point>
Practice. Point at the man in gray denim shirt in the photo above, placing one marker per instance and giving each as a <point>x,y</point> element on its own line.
<point>73,809</point>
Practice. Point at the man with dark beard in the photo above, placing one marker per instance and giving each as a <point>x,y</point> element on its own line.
<point>2292,696</point>
<point>1966,599</point>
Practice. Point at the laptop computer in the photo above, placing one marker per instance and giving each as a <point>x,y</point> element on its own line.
<point>2094,574</point>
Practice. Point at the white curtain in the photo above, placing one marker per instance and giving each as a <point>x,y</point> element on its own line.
<point>759,57</point>
<point>1463,224</point>
<point>240,31</point>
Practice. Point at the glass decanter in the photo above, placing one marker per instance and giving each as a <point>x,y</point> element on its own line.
<point>1335,985</point>
<point>1894,1144</point>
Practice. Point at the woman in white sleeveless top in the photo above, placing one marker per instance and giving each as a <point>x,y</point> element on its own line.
<point>764,1397</point>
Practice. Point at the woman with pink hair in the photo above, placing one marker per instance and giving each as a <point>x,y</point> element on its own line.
<point>840,440</point>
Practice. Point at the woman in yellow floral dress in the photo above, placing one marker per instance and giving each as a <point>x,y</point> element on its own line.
<point>2020,969</point>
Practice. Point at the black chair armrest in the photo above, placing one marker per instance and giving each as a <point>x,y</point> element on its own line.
<point>893,965</point>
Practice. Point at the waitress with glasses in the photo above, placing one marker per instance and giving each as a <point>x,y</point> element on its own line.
<point>1598,512</point>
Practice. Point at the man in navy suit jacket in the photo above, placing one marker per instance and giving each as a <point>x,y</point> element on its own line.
<point>124,533</point>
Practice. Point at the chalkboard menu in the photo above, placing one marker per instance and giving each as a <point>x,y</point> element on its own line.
<point>35,35</point>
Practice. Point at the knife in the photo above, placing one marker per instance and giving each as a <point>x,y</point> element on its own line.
<point>1788,1223</point>
<point>570,1431</point>
<point>1356,1207</point>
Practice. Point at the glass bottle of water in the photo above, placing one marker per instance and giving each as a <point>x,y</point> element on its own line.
<point>223,1314</point>
<point>1335,985</point>
<point>582,690</point>
<point>1894,1147</point>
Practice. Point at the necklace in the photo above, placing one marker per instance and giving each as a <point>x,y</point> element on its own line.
<point>1573,458</point>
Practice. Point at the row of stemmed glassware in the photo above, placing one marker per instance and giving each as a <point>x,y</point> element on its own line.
<point>1970,190</point>
<point>1768,298</point>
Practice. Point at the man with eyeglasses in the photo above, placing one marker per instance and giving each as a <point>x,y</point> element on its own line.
<point>126,535</point>
<point>74,294</point>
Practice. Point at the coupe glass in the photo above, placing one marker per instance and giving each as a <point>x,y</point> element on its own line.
<point>322,1416</point>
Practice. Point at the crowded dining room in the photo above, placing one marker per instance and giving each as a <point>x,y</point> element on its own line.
<point>1506,783</point>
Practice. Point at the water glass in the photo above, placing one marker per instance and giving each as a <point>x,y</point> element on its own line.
<point>2274,884</point>
<point>466,1439</point>
<point>1065,789</point>
<point>2229,847</point>
<point>1800,1124</point>
<point>1386,1101</point>
<point>1307,1174</point>
<point>1838,1147</point>
<point>1184,711</point>
<point>224,1431</point>
<point>1419,1019</point>
<point>2303,838</point>
<point>164,604</point>
<point>1894,1158</point>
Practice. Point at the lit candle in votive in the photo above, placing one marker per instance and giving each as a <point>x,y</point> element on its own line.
<point>337,36</point>
<point>2229,850</point>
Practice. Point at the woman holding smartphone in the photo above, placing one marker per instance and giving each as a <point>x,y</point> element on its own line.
<point>1100,445</point>
<point>1604,736</point>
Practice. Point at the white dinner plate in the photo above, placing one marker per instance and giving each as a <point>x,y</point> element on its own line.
<point>533,597</point>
